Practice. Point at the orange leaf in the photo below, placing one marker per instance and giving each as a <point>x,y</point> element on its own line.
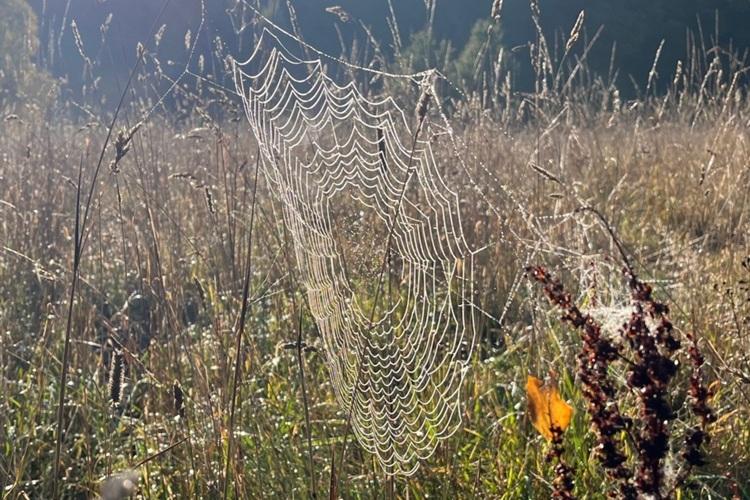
<point>546,407</point>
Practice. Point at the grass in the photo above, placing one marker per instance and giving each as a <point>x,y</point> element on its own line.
<point>161,278</point>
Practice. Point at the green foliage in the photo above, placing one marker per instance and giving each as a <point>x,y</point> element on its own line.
<point>477,57</point>
<point>469,66</point>
<point>18,44</point>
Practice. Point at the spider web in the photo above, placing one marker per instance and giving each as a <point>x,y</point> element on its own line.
<point>359,186</point>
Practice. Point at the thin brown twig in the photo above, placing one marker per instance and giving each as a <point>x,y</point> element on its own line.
<point>301,362</point>
<point>160,453</point>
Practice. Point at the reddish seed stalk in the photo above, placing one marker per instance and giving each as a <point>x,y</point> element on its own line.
<point>649,375</point>
<point>593,363</point>
<point>563,483</point>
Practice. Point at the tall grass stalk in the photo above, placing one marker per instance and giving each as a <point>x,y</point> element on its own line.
<point>240,328</point>
<point>78,247</point>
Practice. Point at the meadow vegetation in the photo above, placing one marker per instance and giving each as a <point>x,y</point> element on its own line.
<point>552,176</point>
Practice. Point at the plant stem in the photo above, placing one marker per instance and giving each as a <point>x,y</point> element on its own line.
<point>241,328</point>
<point>301,363</point>
<point>78,244</point>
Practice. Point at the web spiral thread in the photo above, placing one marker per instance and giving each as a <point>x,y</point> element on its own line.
<point>342,166</point>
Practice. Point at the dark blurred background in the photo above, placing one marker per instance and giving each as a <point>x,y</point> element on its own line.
<point>109,31</point>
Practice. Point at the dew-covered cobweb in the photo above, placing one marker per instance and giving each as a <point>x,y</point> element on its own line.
<point>351,172</point>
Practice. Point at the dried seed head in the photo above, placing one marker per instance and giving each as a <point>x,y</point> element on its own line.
<point>187,176</point>
<point>424,99</point>
<point>677,74</point>
<point>116,378</point>
<point>536,12</point>
<point>338,11</point>
<point>497,5</point>
<point>104,27</point>
<point>159,35</point>
<point>575,33</point>
<point>122,145</point>
<point>209,200</point>
<point>179,399</point>
<point>79,43</point>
